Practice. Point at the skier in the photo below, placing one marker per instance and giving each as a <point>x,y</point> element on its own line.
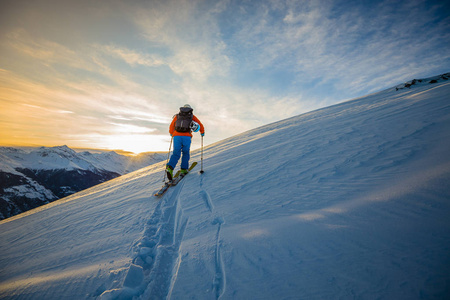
<point>180,129</point>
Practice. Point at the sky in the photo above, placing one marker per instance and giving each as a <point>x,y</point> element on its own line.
<point>112,74</point>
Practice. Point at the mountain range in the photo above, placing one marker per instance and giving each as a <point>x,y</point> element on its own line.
<point>31,177</point>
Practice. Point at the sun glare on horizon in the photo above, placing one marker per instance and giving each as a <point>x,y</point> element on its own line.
<point>136,143</point>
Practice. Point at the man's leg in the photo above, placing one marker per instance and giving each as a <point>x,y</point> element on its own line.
<point>186,149</point>
<point>176,154</point>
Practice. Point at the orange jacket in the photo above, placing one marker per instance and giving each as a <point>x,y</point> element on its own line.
<point>173,132</point>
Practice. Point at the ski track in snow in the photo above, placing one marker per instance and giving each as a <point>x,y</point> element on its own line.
<point>220,276</point>
<point>162,275</point>
<point>164,258</point>
<point>207,200</point>
<point>219,282</point>
<point>154,268</point>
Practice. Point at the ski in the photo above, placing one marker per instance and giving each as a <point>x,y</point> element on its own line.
<point>180,176</point>
<point>175,180</point>
<point>164,188</point>
<point>176,174</point>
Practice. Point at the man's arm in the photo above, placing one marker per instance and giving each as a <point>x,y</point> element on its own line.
<point>202,128</point>
<point>172,125</point>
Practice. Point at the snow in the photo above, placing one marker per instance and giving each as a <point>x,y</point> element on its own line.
<point>350,201</point>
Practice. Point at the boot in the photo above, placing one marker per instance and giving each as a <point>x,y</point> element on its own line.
<point>169,171</point>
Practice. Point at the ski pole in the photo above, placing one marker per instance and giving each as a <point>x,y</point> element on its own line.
<point>201,169</point>
<point>168,155</point>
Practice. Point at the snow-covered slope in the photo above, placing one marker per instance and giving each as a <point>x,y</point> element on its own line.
<point>350,201</point>
<point>36,176</point>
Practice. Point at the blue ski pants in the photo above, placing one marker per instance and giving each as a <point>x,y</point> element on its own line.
<point>181,144</point>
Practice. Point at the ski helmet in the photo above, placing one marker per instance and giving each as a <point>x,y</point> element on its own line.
<point>195,126</point>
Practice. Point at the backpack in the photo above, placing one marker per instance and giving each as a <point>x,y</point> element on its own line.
<point>184,119</point>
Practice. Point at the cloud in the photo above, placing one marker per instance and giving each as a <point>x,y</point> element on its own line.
<point>196,51</point>
<point>135,115</point>
<point>189,33</point>
<point>241,64</point>
<point>75,114</point>
<point>340,43</point>
<point>134,58</point>
<point>130,129</point>
<point>53,111</point>
<point>46,52</point>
